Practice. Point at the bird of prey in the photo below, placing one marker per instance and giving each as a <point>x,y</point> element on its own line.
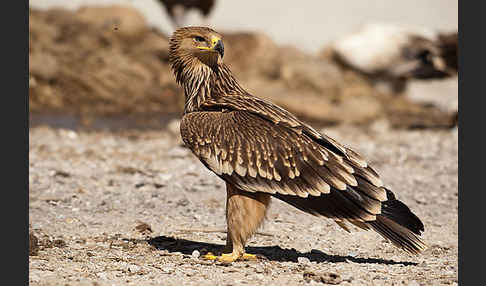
<point>177,9</point>
<point>262,151</point>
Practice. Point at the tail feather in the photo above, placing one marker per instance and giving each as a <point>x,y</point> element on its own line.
<point>401,214</point>
<point>398,224</point>
<point>398,235</point>
<point>395,223</point>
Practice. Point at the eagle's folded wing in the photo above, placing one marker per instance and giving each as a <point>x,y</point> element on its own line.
<point>258,155</point>
<point>280,116</point>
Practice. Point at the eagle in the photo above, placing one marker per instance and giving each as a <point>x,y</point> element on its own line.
<point>261,151</point>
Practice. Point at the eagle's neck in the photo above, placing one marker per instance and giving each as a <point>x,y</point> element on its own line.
<point>201,82</point>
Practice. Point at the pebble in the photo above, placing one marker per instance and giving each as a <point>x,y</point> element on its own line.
<point>413,283</point>
<point>133,268</point>
<point>166,270</point>
<point>102,275</point>
<point>68,133</point>
<point>352,254</point>
<point>195,254</point>
<point>303,260</point>
<point>259,276</point>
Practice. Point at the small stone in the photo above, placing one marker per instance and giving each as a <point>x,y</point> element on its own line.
<point>166,270</point>
<point>133,268</point>
<point>71,134</point>
<point>303,260</point>
<point>102,275</point>
<point>259,276</point>
<point>68,133</point>
<point>143,227</point>
<point>182,202</point>
<point>352,254</point>
<point>59,243</point>
<point>324,277</point>
<point>413,283</point>
<point>195,254</point>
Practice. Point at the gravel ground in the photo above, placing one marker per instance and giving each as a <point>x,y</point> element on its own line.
<point>136,208</point>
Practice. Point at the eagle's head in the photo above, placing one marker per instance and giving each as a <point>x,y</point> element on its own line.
<point>196,58</point>
<point>195,46</point>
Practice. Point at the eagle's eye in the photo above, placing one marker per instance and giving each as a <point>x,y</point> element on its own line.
<point>198,39</point>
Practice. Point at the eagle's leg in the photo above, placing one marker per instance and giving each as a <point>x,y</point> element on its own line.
<point>245,212</point>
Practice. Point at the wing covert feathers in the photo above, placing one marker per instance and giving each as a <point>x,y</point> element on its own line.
<point>258,155</point>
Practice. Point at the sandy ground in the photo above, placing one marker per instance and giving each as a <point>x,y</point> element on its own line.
<point>136,208</point>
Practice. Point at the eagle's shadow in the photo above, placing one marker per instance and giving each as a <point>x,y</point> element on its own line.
<point>272,253</point>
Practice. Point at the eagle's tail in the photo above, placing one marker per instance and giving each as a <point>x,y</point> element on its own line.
<point>398,224</point>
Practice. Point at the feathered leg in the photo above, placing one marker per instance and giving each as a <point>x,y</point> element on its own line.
<point>245,212</point>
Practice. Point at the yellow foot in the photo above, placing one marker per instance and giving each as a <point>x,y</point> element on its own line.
<point>209,256</point>
<point>248,256</point>
<point>229,257</point>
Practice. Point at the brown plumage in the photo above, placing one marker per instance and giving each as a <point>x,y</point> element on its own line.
<point>261,150</point>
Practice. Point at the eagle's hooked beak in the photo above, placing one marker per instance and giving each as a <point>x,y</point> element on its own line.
<point>219,47</point>
<point>216,45</point>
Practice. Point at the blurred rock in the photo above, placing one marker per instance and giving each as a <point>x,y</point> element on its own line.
<point>392,54</point>
<point>250,54</point>
<point>125,20</point>
<point>99,60</point>
<point>402,114</point>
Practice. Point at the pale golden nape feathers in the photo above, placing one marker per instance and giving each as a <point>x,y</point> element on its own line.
<point>258,147</point>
